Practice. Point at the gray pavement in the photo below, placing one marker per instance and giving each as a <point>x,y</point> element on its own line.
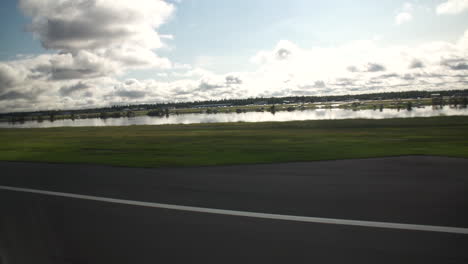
<point>411,190</point>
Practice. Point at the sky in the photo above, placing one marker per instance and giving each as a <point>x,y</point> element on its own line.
<point>71,54</point>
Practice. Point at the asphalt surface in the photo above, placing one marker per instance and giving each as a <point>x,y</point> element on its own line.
<point>414,190</point>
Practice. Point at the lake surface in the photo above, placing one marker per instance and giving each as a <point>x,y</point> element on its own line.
<point>319,114</point>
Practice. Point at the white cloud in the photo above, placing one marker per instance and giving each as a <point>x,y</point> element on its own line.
<point>118,32</point>
<point>360,66</point>
<point>284,50</point>
<point>8,77</point>
<point>403,17</point>
<point>94,41</point>
<point>451,7</point>
<point>405,14</point>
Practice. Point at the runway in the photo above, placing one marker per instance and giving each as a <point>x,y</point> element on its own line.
<point>411,191</point>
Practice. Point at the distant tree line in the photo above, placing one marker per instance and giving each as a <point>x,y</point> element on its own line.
<point>159,112</point>
<point>459,97</point>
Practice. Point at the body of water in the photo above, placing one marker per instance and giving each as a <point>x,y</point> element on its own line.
<point>319,114</point>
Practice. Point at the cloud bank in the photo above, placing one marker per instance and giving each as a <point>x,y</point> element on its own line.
<point>452,7</point>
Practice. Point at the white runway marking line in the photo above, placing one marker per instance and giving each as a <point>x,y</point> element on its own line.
<point>428,228</point>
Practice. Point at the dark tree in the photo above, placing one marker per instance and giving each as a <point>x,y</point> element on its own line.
<point>273,109</point>
<point>409,106</point>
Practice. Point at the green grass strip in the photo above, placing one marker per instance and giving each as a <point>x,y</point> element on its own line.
<point>237,143</point>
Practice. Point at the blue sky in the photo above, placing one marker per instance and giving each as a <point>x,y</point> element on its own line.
<point>52,55</point>
<point>14,40</point>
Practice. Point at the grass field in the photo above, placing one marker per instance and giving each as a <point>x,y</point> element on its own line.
<point>238,143</point>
